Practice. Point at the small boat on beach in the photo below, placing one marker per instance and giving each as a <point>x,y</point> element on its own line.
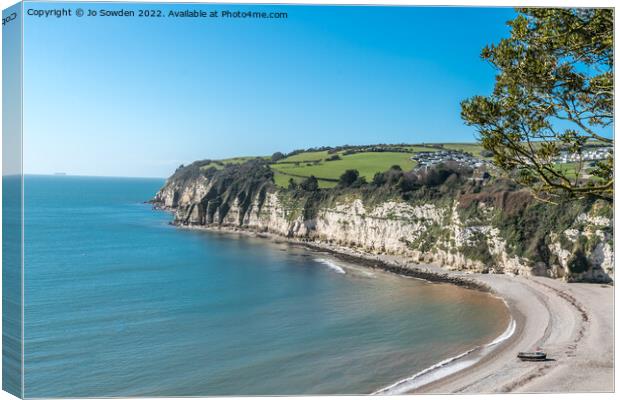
<point>532,356</point>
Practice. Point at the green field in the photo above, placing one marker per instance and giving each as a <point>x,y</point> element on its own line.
<point>367,163</point>
<point>307,156</point>
<point>570,169</point>
<point>328,172</point>
<point>219,164</point>
<point>418,149</point>
<point>473,148</point>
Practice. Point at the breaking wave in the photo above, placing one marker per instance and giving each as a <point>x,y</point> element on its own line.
<point>332,265</point>
<point>446,367</point>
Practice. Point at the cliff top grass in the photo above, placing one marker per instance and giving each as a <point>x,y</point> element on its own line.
<point>473,148</point>
<point>327,164</point>
<point>328,172</point>
<point>219,164</point>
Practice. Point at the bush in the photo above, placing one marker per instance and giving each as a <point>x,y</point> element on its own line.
<point>359,182</point>
<point>335,157</point>
<point>393,176</point>
<point>438,174</point>
<point>408,182</point>
<point>478,250</point>
<point>348,177</point>
<point>379,179</point>
<point>310,184</point>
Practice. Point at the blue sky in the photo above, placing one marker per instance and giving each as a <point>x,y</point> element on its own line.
<point>138,97</point>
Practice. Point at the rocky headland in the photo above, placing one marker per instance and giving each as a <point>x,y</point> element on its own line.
<point>448,217</point>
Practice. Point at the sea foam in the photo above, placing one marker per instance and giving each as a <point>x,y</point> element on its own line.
<point>446,367</point>
<point>332,265</point>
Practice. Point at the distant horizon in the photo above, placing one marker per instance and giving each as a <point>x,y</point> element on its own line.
<point>59,175</point>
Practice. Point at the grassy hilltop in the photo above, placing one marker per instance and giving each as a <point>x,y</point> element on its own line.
<point>328,164</point>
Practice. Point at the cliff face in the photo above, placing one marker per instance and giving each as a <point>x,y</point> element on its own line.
<point>479,232</point>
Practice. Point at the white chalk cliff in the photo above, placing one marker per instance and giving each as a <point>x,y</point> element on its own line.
<point>426,232</point>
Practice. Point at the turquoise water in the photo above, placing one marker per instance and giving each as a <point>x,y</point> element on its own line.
<point>120,303</point>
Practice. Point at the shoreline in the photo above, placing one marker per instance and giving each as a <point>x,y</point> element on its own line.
<point>392,264</point>
<point>572,322</point>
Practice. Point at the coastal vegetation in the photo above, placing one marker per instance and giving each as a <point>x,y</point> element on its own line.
<point>478,206</point>
<point>553,94</point>
<point>327,166</point>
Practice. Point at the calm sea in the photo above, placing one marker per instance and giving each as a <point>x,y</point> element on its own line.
<point>119,303</point>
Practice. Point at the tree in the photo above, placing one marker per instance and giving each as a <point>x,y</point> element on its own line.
<point>277,156</point>
<point>379,179</point>
<point>348,177</point>
<point>334,157</point>
<point>359,182</point>
<point>553,94</point>
<point>408,182</point>
<point>310,184</point>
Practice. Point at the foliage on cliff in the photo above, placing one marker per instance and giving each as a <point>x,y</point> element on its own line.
<point>526,223</point>
<point>464,199</point>
<point>553,93</point>
<point>241,184</point>
<point>523,222</point>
